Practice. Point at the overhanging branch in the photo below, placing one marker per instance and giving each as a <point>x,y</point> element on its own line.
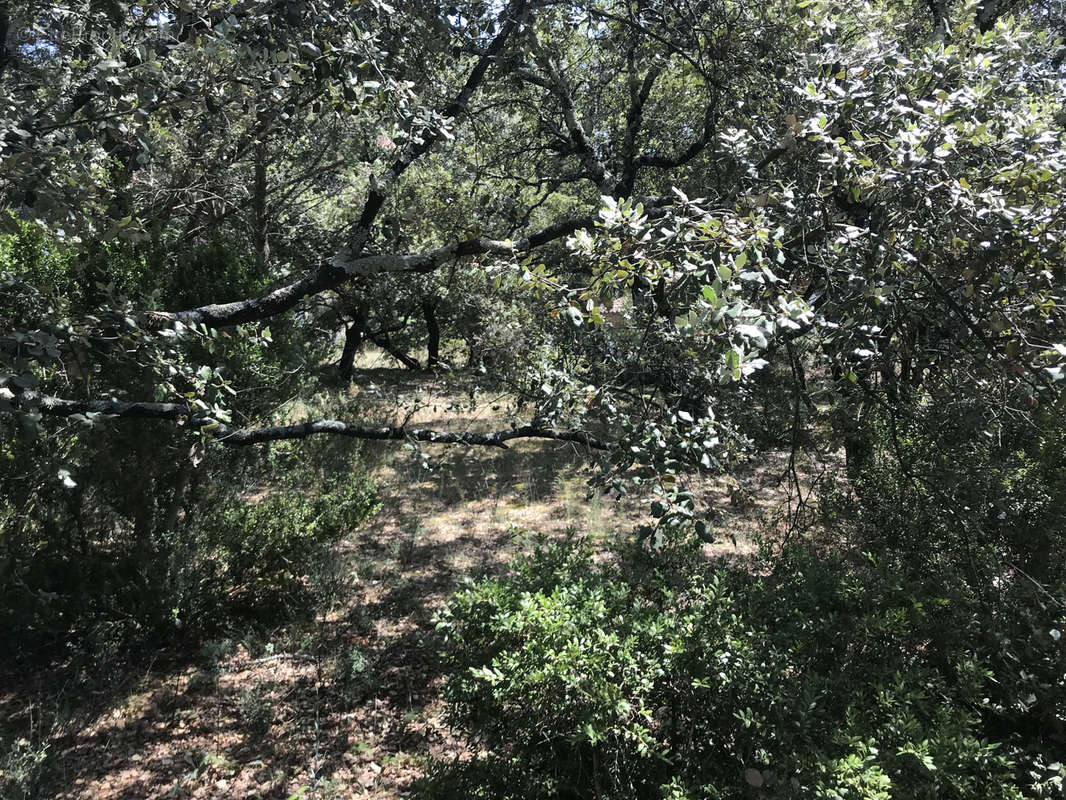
<point>331,276</point>
<point>188,418</point>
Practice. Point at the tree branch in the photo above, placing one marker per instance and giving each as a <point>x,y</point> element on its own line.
<point>382,341</point>
<point>331,275</point>
<point>638,97</point>
<point>29,400</point>
<point>341,271</point>
<point>557,84</point>
<point>686,155</point>
<point>381,186</point>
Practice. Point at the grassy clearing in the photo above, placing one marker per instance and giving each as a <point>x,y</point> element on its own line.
<point>344,704</point>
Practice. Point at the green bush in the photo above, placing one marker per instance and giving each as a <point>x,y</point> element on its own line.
<point>113,534</point>
<point>21,765</point>
<point>957,490</point>
<point>615,679</point>
<point>259,552</point>
<point>78,568</point>
<point>257,715</point>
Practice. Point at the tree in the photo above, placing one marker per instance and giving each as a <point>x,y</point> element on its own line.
<point>882,195</point>
<point>676,234</point>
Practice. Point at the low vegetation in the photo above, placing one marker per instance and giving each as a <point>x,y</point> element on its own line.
<point>532,399</point>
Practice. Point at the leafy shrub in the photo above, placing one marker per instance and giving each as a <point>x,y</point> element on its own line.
<point>230,557</point>
<point>586,679</point>
<point>354,674</point>
<point>261,551</point>
<point>21,765</point>
<point>257,715</point>
<point>958,490</point>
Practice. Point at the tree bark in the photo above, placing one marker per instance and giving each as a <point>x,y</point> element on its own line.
<point>353,342</point>
<point>240,437</point>
<point>353,338</point>
<point>429,312</point>
<point>383,342</point>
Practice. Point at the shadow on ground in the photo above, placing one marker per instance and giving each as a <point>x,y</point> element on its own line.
<point>345,703</point>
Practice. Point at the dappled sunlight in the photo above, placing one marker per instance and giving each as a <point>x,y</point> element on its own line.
<point>350,696</point>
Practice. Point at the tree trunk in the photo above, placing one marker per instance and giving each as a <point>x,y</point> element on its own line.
<point>429,311</point>
<point>941,23</point>
<point>353,342</point>
<point>473,353</point>
<point>988,12</point>
<point>849,422</point>
<point>662,305</point>
<point>259,209</point>
<point>858,446</point>
<point>383,342</point>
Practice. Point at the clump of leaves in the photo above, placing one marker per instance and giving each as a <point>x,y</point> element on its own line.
<point>21,767</point>
<point>355,673</point>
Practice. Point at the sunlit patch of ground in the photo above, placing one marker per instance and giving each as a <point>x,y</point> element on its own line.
<point>346,705</point>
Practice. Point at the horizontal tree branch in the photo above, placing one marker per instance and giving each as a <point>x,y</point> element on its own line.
<point>331,276</point>
<point>47,405</point>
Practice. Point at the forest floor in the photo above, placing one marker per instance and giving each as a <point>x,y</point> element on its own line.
<point>346,703</point>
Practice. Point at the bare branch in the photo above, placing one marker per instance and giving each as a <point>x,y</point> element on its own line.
<point>188,418</point>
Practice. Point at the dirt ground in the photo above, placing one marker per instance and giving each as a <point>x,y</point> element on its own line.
<point>346,704</point>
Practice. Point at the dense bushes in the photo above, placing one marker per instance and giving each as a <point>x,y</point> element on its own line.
<point>263,549</point>
<point>116,533</point>
<point>959,502</point>
<point>622,679</point>
<point>913,648</point>
<point>79,563</point>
